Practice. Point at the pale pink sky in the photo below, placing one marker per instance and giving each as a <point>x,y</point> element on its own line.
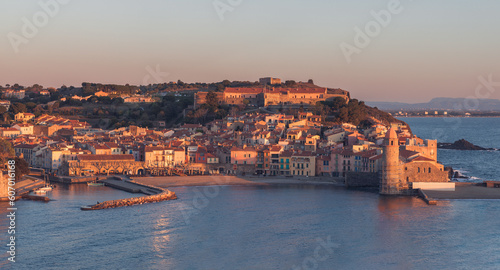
<point>427,50</point>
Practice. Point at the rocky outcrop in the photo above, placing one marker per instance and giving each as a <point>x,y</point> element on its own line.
<point>461,145</point>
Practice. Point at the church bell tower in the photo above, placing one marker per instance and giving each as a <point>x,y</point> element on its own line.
<point>390,184</point>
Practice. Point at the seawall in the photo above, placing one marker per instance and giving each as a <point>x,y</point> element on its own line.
<point>161,194</point>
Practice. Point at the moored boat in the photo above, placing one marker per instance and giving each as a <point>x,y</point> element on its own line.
<point>95,184</point>
<point>40,191</point>
<point>46,188</point>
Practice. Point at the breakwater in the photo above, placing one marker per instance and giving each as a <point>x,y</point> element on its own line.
<point>160,194</point>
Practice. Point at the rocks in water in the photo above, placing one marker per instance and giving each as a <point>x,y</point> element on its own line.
<point>461,145</point>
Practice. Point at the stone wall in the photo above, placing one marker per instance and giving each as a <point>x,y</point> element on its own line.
<point>424,172</point>
<point>362,179</point>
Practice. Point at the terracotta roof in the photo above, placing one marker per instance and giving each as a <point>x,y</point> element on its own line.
<point>243,90</point>
<point>106,157</point>
<point>406,153</point>
<point>421,158</point>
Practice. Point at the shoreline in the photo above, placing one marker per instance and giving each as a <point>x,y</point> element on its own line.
<point>463,190</point>
<point>450,116</point>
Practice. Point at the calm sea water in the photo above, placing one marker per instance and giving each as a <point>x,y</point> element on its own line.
<point>485,132</point>
<point>255,228</point>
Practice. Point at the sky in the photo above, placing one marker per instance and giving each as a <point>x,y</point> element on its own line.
<point>425,49</point>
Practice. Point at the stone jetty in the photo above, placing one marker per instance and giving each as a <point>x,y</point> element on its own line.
<point>160,194</point>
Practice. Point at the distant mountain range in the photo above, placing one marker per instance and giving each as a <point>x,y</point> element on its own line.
<point>452,104</point>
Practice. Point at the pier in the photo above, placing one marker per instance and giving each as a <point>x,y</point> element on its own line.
<point>426,198</point>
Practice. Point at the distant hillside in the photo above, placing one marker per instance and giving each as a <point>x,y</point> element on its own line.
<point>454,104</point>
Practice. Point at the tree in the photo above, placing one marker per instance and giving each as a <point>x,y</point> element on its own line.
<point>226,83</point>
<point>22,167</point>
<point>290,83</point>
<point>6,151</point>
<point>18,107</point>
<point>212,100</point>
<point>310,81</point>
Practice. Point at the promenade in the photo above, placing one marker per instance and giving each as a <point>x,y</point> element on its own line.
<point>464,191</point>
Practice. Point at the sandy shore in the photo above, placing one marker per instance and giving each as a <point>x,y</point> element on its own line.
<point>465,191</point>
<point>211,180</point>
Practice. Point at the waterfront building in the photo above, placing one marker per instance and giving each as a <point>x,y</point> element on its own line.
<point>303,164</point>
<point>402,167</point>
<point>103,164</point>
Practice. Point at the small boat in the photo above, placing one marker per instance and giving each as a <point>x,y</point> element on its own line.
<point>40,191</point>
<point>86,207</point>
<point>95,184</point>
<point>46,188</point>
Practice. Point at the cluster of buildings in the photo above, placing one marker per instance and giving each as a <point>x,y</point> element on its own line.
<point>247,144</point>
<point>45,125</point>
<point>126,98</point>
<point>303,95</point>
<point>11,93</point>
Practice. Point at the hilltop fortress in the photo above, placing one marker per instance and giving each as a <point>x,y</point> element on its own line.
<point>301,94</point>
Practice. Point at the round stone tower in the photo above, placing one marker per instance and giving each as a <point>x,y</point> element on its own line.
<point>391,166</point>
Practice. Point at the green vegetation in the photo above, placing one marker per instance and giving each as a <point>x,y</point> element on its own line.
<point>6,151</point>
<point>92,88</point>
<point>209,111</point>
<point>173,108</point>
<point>355,112</point>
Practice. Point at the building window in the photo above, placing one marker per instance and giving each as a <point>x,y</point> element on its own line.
<point>418,169</point>
<point>429,169</point>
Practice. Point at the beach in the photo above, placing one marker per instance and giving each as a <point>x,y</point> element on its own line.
<point>463,191</point>
<point>220,180</point>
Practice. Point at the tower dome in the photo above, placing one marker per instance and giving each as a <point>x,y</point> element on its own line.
<point>391,134</point>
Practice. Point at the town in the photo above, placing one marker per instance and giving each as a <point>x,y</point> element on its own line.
<point>276,135</point>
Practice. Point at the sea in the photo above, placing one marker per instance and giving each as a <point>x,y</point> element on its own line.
<point>268,227</point>
<point>477,166</point>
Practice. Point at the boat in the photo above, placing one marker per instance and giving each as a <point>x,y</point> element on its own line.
<point>46,188</point>
<point>40,191</point>
<point>95,184</point>
<point>86,207</point>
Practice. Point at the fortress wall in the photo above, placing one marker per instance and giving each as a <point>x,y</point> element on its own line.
<point>362,179</point>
